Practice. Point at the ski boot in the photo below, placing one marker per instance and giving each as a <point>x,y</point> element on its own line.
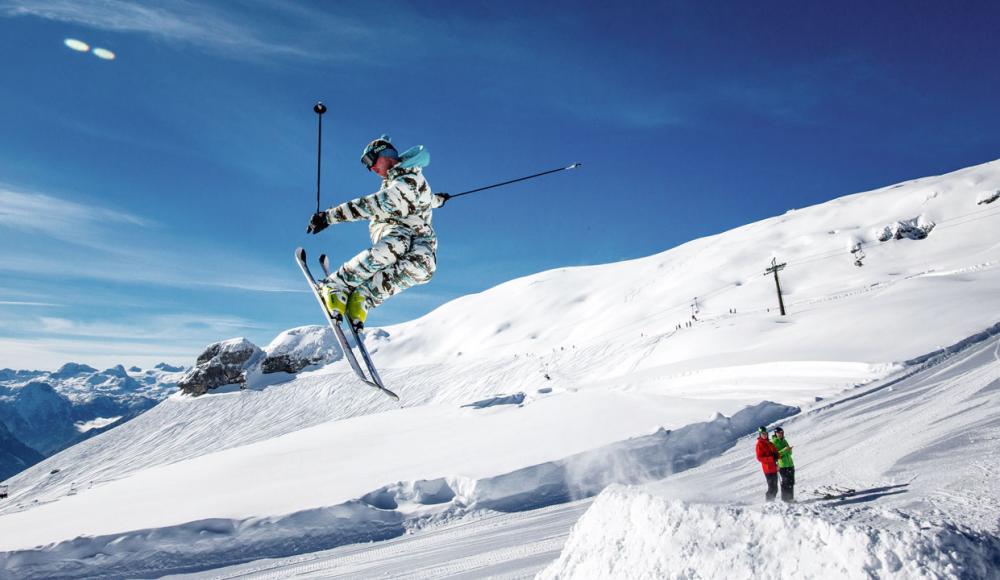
<point>357,309</point>
<point>335,300</point>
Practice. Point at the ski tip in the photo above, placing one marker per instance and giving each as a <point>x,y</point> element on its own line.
<point>574,166</point>
<point>382,389</point>
<point>300,252</point>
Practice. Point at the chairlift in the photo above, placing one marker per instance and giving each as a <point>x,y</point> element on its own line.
<point>859,255</point>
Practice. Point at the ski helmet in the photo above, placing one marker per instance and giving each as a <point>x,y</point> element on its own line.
<point>380,147</point>
<point>762,431</point>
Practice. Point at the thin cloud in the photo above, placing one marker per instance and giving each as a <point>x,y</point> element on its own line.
<point>61,218</point>
<point>108,244</point>
<point>20,303</point>
<point>170,328</point>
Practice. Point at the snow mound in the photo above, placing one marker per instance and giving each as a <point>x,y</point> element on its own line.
<point>295,349</point>
<point>204,544</point>
<point>637,460</point>
<point>628,533</point>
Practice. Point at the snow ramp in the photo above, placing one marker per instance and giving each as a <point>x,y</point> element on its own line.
<point>630,533</point>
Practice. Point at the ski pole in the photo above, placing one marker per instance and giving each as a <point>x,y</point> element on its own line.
<point>319,109</point>
<point>573,166</point>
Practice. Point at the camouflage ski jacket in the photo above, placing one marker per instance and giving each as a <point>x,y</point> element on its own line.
<point>404,200</point>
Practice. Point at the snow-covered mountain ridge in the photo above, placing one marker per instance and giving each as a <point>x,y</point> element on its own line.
<point>47,411</point>
<point>558,314</point>
<point>597,355</point>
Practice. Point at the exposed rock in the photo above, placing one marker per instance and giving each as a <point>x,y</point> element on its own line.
<point>283,363</point>
<point>297,348</point>
<point>222,363</point>
<point>913,229</point>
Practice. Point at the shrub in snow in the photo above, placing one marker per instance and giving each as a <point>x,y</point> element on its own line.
<point>914,229</point>
<point>222,363</point>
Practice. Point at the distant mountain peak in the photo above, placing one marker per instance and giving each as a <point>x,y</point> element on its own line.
<point>73,369</point>
<point>168,368</point>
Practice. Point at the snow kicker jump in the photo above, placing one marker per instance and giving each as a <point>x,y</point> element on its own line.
<point>374,380</point>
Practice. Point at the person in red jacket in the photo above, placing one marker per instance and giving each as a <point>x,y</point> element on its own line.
<point>767,454</point>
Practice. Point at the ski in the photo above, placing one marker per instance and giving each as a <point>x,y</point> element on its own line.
<point>833,492</point>
<point>324,261</point>
<point>300,257</point>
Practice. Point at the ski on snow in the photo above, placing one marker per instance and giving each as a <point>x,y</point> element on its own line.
<point>833,492</point>
<point>375,381</point>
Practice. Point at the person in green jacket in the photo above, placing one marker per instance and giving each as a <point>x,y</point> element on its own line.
<point>786,467</point>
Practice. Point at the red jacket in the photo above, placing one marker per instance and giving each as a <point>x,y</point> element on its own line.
<point>767,453</point>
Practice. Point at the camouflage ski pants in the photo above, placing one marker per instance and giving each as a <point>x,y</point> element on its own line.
<point>398,260</point>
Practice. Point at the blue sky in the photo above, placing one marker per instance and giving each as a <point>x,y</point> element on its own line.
<point>150,204</point>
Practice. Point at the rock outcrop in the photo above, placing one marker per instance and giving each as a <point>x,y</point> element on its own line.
<point>223,363</point>
<point>913,229</point>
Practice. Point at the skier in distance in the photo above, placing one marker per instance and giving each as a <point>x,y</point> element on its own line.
<point>767,454</point>
<point>404,245</point>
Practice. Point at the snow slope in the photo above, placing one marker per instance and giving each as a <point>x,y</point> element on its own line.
<point>921,450</point>
<point>320,461</point>
<point>927,518</point>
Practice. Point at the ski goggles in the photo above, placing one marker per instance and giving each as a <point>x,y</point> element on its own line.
<point>371,156</point>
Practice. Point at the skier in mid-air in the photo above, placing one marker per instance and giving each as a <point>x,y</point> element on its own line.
<point>767,454</point>
<point>404,250</point>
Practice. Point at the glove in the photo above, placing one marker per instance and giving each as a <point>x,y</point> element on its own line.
<point>440,199</point>
<point>318,223</point>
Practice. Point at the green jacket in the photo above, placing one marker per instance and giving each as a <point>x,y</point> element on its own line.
<point>785,454</point>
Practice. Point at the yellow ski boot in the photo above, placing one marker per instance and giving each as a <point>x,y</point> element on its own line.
<point>335,300</point>
<point>357,310</point>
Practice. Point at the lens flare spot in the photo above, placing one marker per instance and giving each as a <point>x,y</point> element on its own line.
<point>104,53</point>
<point>77,45</point>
